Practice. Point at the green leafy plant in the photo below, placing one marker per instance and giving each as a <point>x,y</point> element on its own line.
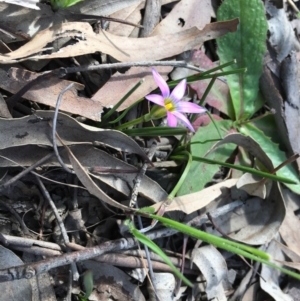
<point>247,47</point>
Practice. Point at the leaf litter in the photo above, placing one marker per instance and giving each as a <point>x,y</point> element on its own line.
<point>106,163</point>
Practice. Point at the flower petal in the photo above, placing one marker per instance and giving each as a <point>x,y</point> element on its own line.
<point>189,107</point>
<point>179,91</point>
<point>172,121</point>
<point>164,88</point>
<point>184,120</point>
<point>157,99</point>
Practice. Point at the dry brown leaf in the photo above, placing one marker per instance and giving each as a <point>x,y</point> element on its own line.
<point>25,20</point>
<point>195,201</point>
<point>269,280</point>
<point>258,221</point>
<point>213,266</point>
<point>47,93</point>
<point>131,14</point>
<point>289,230</point>
<point>27,3</point>
<point>295,257</point>
<point>121,48</point>
<point>184,16</point>
<point>35,130</point>
<point>89,157</point>
<point>90,185</point>
<point>253,185</point>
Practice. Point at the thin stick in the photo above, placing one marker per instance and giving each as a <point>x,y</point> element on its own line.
<point>181,64</point>
<point>133,203</point>
<point>63,165</point>
<point>25,171</point>
<point>60,223</point>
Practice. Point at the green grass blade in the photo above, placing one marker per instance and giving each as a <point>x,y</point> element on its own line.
<point>153,246</point>
<point>239,167</point>
<point>225,244</point>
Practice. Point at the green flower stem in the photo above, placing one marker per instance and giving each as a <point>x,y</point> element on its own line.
<point>220,67</point>
<point>196,77</point>
<point>235,71</point>
<point>126,111</point>
<point>117,105</point>
<point>155,131</point>
<point>187,155</point>
<point>207,90</point>
<point>238,167</point>
<point>131,123</point>
<point>214,123</point>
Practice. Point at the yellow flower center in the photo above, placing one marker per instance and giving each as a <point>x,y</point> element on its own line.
<point>169,105</point>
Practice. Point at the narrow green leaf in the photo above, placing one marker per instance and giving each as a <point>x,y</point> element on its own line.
<point>247,45</point>
<point>122,100</point>
<point>209,238</point>
<point>156,131</point>
<point>150,244</point>
<point>244,169</point>
<point>225,244</point>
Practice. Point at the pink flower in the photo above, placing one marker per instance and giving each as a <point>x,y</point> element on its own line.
<point>172,102</point>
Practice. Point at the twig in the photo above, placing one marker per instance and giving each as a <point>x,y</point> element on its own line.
<point>30,270</point>
<point>133,203</point>
<point>16,215</point>
<point>45,178</point>
<point>139,177</point>
<point>29,242</point>
<point>60,222</point>
<point>25,171</point>
<point>63,165</point>
<point>181,64</point>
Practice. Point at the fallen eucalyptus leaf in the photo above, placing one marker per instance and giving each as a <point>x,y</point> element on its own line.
<point>90,185</point>
<point>35,130</point>
<point>269,280</point>
<point>17,289</point>
<point>213,267</point>
<point>253,185</point>
<point>121,48</point>
<point>195,201</point>
<point>27,3</point>
<point>282,36</point>
<point>255,223</point>
<point>90,157</point>
<point>47,92</point>
<point>164,284</point>
<point>184,16</point>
